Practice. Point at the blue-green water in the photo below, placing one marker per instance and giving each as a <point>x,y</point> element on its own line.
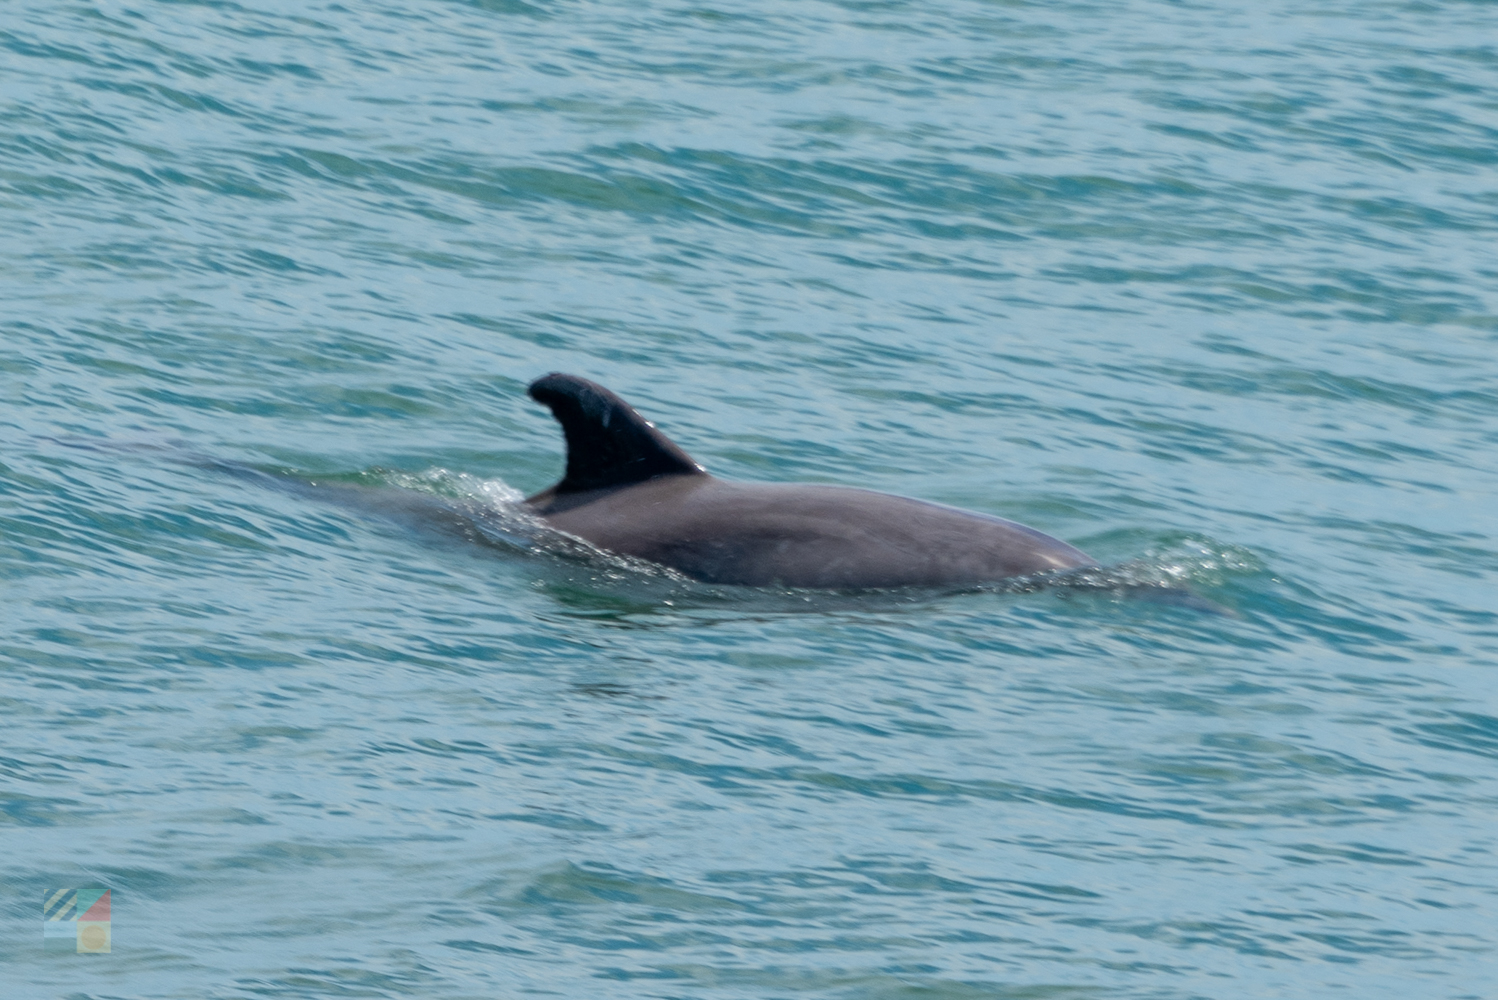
<point>1206,288</point>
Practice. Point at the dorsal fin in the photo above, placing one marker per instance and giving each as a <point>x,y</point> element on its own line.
<point>608,443</point>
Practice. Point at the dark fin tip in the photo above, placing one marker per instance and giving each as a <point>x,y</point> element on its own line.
<point>608,443</point>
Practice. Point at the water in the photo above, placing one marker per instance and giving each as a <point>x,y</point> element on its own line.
<point>1202,288</point>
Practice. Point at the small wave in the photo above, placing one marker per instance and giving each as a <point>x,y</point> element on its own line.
<point>1183,562</point>
<point>496,511</point>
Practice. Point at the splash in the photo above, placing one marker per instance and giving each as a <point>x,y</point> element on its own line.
<point>1170,574</point>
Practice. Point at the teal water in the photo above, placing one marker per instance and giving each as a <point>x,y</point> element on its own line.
<point>1205,290</point>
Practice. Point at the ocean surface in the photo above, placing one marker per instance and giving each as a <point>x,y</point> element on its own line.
<point>1207,289</point>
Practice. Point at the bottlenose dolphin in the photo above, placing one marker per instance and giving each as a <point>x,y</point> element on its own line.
<point>629,489</point>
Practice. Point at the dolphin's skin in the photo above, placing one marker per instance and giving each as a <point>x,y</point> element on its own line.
<point>628,489</point>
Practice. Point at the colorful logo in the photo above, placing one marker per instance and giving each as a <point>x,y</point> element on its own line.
<point>76,920</point>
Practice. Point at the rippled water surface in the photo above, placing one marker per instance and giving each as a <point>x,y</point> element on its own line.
<point>1206,289</point>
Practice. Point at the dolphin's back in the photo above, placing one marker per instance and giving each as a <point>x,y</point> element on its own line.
<point>629,489</point>
<point>806,536</point>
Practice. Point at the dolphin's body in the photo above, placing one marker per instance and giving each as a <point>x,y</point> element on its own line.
<point>629,489</point>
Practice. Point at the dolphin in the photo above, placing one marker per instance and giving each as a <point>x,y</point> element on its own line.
<point>629,489</point>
